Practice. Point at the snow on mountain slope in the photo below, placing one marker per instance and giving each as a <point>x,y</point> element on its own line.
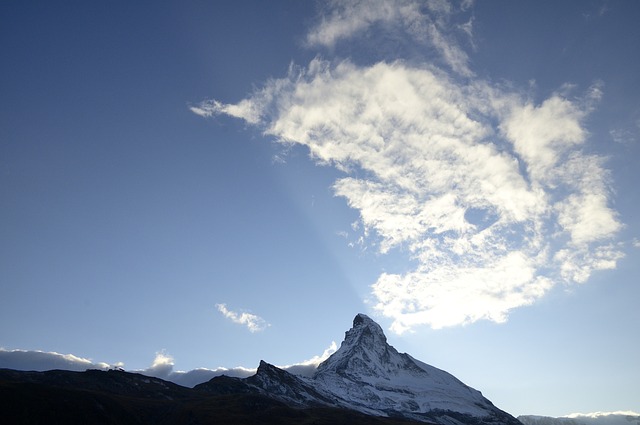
<point>293,390</point>
<point>599,418</point>
<point>368,373</point>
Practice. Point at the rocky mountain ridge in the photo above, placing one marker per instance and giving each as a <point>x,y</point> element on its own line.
<point>365,378</point>
<point>116,397</point>
<point>368,375</point>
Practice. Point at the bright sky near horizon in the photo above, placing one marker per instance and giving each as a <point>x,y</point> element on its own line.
<point>209,184</point>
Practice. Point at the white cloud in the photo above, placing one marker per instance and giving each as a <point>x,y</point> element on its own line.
<point>601,414</point>
<point>597,418</point>
<point>604,418</point>
<point>316,360</point>
<point>251,321</point>
<point>162,366</point>
<point>491,194</point>
<point>42,360</point>
<point>347,18</point>
<point>447,296</point>
<point>542,135</point>
<point>622,136</point>
<point>244,110</point>
<point>308,367</point>
<point>424,22</point>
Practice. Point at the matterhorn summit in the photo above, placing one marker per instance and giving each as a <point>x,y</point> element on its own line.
<point>365,355</point>
<point>366,381</point>
<point>369,376</point>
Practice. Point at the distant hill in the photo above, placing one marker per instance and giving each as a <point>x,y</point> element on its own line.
<point>122,398</point>
<point>615,418</point>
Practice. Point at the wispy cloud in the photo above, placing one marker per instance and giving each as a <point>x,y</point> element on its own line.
<point>493,196</point>
<point>427,23</point>
<point>251,321</point>
<point>348,18</point>
<point>623,136</point>
<point>245,110</point>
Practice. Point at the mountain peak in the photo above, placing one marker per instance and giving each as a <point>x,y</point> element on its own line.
<point>287,387</point>
<point>374,377</point>
<point>365,374</point>
<point>363,352</point>
<point>362,319</point>
<point>365,331</point>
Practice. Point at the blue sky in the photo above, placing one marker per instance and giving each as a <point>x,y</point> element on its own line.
<point>206,184</point>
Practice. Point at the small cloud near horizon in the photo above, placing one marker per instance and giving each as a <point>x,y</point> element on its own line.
<point>251,321</point>
<point>595,415</point>
<point>161,367</point>
<point>40,361</point>
<point>308,367</point>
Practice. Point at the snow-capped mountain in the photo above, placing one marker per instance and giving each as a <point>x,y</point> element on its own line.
<point>599,418</point>
<point>371,374</point>
<point>366,381</point>
<point>368,375</point>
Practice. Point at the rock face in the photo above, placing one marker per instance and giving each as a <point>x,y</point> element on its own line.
<point>61,397</point>
<point>371,375</point>
<point>368,375</point>
<point>289,388</point>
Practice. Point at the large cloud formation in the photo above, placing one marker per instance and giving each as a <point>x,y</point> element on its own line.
<point>493,195</point>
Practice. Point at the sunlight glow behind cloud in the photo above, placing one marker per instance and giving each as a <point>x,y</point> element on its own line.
<point>492,195</point>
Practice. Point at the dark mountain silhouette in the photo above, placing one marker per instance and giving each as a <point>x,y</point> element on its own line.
<point>121,398</point>
<point>365,381</point>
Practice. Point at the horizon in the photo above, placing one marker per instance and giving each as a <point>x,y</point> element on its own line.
<point>204,185</point>
<point>163,368</point>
